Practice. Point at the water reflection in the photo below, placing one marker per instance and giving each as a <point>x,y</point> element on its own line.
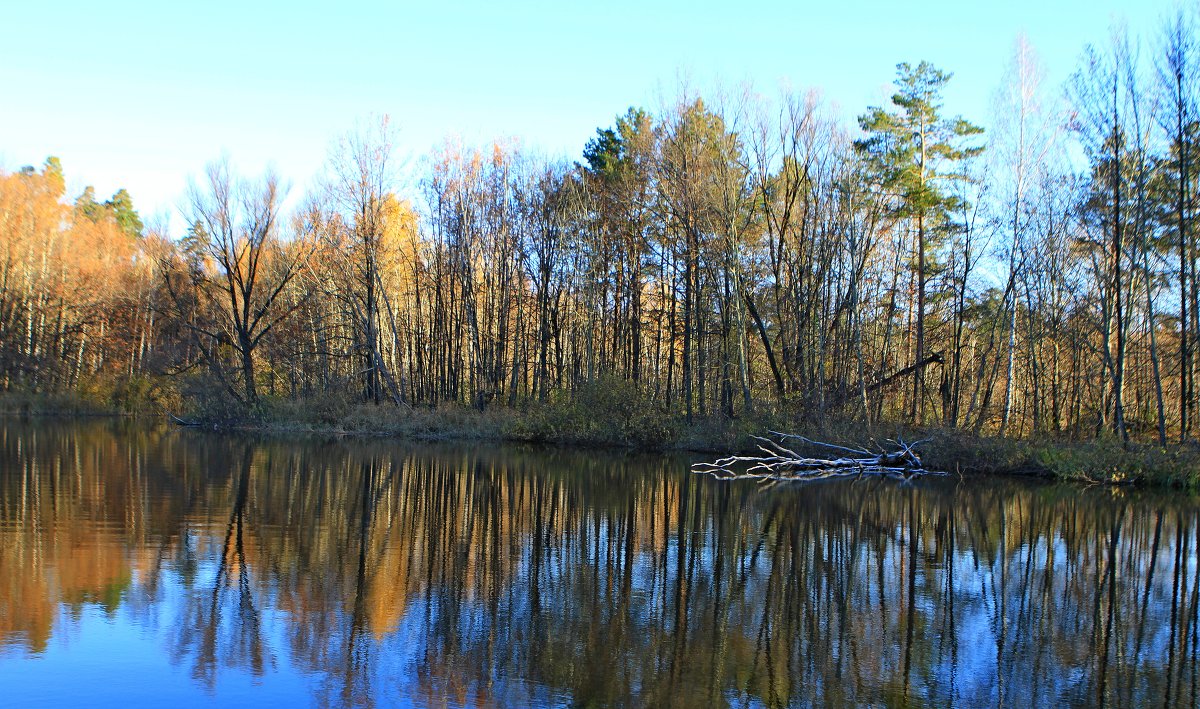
<point>379,574</point>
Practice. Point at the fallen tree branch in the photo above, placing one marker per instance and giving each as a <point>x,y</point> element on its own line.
<point>182,422</point>
<point>935,358</point>
<point>778,463</point>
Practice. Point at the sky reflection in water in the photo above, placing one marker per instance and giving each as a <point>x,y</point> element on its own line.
<point>143,566</point>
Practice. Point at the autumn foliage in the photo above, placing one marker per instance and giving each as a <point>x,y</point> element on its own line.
<point>712,260</point>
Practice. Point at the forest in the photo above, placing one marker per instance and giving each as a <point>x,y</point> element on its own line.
<point>717,258</point>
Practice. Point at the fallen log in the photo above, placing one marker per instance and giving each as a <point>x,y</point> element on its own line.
<point>778,463</point>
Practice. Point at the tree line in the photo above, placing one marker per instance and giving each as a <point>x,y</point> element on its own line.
<point>723,255</point>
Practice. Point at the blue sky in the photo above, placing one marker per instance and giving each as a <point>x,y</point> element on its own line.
<point>143,94</point>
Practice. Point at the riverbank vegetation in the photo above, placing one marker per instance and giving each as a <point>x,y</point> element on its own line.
<point>703,269</point>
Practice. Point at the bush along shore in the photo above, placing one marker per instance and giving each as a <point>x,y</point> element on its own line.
<point>614,414</point>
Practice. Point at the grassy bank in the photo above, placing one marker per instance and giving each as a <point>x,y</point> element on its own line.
<point>1102,460</point>
<point>119,396</point>
<point>613,413</point>
<point>53,404</point>
<point>1097,461</point>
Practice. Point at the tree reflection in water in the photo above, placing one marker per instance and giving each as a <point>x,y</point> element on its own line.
<point>387,573</point>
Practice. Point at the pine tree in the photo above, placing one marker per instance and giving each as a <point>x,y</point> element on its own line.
<point>913,151</point>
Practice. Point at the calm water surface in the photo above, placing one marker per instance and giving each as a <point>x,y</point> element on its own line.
<point>162,567</point>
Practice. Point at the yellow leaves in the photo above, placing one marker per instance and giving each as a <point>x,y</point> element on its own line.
<point>400,243</point>
<point>399,220</point>
<point>31,218</point>
<point>62,255</point>
<point>97,254</point>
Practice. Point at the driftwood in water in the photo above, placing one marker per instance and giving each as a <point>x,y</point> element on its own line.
<point>777,462</point>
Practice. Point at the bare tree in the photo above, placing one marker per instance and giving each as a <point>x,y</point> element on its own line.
<point>362,180</point>
<point>229,292</point>
<point>1177,69</point>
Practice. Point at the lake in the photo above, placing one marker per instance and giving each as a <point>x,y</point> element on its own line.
<point>151,566</point>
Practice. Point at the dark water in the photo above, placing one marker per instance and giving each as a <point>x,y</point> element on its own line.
<point>173,568</point>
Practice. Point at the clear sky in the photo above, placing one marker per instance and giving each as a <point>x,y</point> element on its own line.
<point>143,94</point>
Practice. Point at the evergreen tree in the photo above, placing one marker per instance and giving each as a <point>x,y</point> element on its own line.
<point>87,207</point>
<point>913,151</point>
<point>121,207</point>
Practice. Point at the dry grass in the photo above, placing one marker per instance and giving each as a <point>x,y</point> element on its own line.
<point>614,413</point>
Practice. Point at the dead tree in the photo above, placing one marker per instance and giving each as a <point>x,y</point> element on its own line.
<point>778,463</point>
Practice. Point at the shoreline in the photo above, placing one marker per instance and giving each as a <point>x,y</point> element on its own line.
<point>1098,461</point>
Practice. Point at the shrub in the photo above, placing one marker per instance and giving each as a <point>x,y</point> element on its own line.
<point>607,410</point>
<point>141,394</point>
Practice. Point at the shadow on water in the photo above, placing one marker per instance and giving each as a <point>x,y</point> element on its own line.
<point>377,573</point>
